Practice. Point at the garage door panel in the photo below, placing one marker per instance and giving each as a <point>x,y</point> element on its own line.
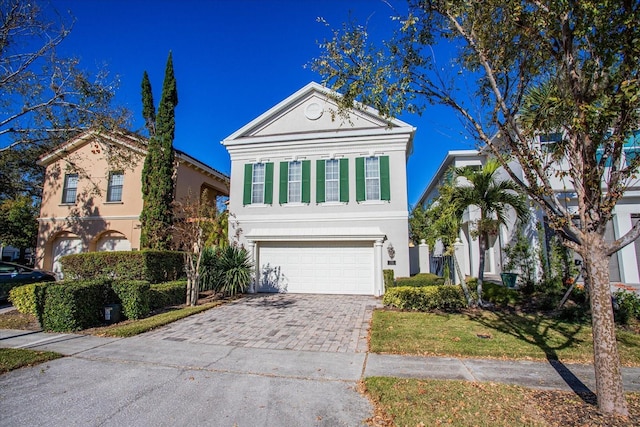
<point>316,267</point>
<point>62,247</point>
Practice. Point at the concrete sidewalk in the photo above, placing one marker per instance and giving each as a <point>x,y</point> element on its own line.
<point>310,364</point>
<point>144,381</point>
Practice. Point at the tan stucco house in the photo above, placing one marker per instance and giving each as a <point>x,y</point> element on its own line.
<point>92,197</point>
<point>322,202</point>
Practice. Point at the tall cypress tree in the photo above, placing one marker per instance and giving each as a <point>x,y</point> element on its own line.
<point>148,109</point>
<point>156,217</point>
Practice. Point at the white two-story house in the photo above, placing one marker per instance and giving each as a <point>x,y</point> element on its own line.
<point>319,200</point>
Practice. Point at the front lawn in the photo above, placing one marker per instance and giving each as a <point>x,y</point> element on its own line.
<point>14,358</point>
<point>409,402</point>
<point>486,334</point>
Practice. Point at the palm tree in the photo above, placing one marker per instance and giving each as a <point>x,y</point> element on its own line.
<point>494,199</point>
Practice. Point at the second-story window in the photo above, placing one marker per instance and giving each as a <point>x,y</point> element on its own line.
<point>114,189</point>
<point>372,178</point>
<point>257,183</point>
<point>295,182</point>
<point>332,181</point>
<point>70,189</point>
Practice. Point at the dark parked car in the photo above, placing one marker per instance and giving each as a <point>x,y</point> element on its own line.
<point>12,275</point>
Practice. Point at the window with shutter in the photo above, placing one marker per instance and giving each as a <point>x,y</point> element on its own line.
<point>258,183</point>
<point>372,178</point>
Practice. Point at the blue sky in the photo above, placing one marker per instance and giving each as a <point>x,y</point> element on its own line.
<point>233,60</point>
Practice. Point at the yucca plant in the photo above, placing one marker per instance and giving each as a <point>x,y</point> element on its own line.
<point>210,271</point>
<point>236,269</point>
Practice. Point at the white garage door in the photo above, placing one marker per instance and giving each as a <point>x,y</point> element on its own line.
<point>316,267</point>
<point>62,247</point>
<point>113,244</point>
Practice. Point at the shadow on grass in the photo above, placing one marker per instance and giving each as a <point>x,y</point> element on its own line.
<point>536,330</point>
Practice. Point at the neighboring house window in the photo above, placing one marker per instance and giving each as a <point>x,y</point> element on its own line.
<point>70,189</point>
<point>258,183</point>
<point>548,141</point>
<point>294,181</point>
<point>114,189</point>
<point>632,147</point>
<point>631,150</point>
<point>372,178</point>
<point>332,180</point>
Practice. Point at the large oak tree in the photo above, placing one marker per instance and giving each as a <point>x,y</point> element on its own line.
<point>45,98</point>
<point>570,67</point>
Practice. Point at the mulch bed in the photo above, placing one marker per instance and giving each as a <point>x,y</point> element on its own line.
<point>560,408</point>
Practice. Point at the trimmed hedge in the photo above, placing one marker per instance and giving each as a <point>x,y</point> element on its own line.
<point>420,280</point>
<point>134,297</point>
<point>167,294</point>
<point>27,298</point>
<point>426,298</point>
<point>72,306</point>
<point>152,266</point>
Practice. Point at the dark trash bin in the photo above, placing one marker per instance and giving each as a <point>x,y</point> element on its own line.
<point>509,279</point>
<point>112,313</point>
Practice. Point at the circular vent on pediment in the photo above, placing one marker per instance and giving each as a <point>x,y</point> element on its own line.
<point>313,111</point>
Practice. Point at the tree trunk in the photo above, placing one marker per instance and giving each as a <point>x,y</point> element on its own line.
<point>465,289</point>
<point>482,243</point>
<point>608,374</point>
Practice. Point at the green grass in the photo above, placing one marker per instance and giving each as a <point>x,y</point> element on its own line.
<point>485,334</point>
<point>14,358</point>
<point>135,327</point>
<point>411,402</point>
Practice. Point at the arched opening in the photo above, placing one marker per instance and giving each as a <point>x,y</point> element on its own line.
<point>112,241</point>
<point>64,243</point>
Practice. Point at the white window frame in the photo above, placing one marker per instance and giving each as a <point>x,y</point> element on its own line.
<point>332,180</point>
<point>294,182</point>
<point>372,189</point>
<point>258,176</point>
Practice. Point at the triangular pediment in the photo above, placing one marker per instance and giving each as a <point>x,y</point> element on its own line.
<point>312,109</point>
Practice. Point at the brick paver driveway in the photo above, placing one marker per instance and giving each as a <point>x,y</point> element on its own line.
<point>329,323</point>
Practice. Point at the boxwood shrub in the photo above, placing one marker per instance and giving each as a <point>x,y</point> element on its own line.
<point>419,280</point>
<point>167,294</point>
<point>72,306</point>
<point>134,296</point>
<point>426,298</point>
<point>29,299</point>
<point>152,266</point>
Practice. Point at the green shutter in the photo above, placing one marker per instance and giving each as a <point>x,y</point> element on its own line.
<point>248,178</point>
<point>284,182</point>
<point>306,181</point>
<point>344,180</point>
<point>360,195</point>
<point>268,184</point>
<point>385,187</point>
<point>320,174</point>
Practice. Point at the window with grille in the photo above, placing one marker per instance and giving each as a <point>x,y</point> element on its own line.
<point>70,189</point>
<point>332,181</point>
<point>257,183</point>
<point>294,194</point>
<point>372,178</point>
<point>114,189</point>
